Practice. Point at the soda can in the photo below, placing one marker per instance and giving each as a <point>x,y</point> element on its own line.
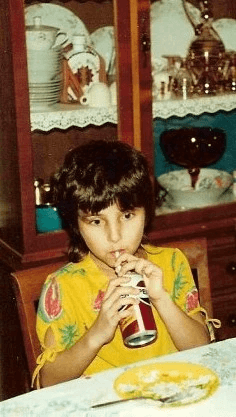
<point>139,329</point>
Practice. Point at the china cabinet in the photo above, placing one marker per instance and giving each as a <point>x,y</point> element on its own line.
<point>28,152</point>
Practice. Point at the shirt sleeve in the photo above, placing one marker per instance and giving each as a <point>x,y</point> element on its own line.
<point>55,311</point>
<point>184,290</point>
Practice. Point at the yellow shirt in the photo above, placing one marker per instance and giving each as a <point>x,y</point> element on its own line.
<point>71,298</point>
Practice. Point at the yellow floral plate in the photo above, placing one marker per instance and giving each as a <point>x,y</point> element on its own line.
<point>170,383</point>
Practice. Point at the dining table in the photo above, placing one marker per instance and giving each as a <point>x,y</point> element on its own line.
<point>79,396</point>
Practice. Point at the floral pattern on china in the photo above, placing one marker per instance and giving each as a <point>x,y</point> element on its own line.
<point>210,187</point>
<point>57,16</point>
<point>181,180</point>
<point>85,65</point>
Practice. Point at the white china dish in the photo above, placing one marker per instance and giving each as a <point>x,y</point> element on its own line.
<point>49,88</point>
<point>44,94</point>
<point>209,188</point>
<point>171,30</point>
<point>59,17</point>
<point>103,42</point>
<point>44,76</point>
<point>226,29</point>
<point>44,66</point>
<point>51,84</point>
<point>41,96</point>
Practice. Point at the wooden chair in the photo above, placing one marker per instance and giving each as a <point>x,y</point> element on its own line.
<point>196,253</point>
<point>27,285</point>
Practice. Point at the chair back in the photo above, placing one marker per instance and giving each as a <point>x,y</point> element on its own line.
<point>196,252</point>
<point>27,285</point>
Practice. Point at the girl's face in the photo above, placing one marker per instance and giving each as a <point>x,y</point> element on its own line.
<point>112,230</point>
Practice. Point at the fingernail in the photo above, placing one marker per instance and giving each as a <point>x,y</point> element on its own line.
<point>118,268</point>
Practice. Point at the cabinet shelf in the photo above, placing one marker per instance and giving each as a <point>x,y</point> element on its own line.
<point>63,116</point>
<point>196,106</point>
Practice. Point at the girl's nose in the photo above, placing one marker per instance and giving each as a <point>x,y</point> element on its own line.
<point>114,232</point>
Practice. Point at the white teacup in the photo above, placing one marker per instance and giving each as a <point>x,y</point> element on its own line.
<point>113,93</point>
<point>40,37</point>
<point>98,95</point>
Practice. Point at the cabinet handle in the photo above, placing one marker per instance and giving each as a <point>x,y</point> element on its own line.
<point>146,43</point>
<point>231,320</point>
<point>231,268</point>
<point>146,47</point>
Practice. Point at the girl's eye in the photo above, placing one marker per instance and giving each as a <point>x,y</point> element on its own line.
<point>128,215</point>
<point>95,222</point>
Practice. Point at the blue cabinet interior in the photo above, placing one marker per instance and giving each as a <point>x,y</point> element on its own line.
<point>222,120</point>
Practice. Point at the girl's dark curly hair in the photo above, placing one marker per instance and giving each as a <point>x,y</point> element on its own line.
<point>93,177</point>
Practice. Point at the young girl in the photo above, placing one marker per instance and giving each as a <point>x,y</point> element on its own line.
<point>105,194</point>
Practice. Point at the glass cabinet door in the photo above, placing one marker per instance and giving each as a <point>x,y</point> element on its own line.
<point>38,153</point>
<point>120,32</point>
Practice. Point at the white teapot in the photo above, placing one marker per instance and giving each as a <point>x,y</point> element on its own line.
<point>97,95</point>
<point>41,38</point>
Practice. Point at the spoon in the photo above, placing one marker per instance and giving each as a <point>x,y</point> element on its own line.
<point>165,400</point>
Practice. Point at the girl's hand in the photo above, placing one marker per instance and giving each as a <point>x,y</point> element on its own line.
<point>111,311</point>
<point>151,273</point>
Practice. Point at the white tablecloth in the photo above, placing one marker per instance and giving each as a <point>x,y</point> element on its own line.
<point>74,398</point>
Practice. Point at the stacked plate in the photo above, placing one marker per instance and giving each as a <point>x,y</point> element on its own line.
<point>44,67</point>
<point>45,76</point>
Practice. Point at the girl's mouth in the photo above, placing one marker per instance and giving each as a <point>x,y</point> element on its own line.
<point>116,253</point>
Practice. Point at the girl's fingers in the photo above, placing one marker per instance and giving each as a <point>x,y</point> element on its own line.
<point>118,293</point>
<point>141,266</point>
<point>115,283</point>
<point>122,304</point>
<point>126,312</point>
<point>120,309</point>
<point>123,258</point>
